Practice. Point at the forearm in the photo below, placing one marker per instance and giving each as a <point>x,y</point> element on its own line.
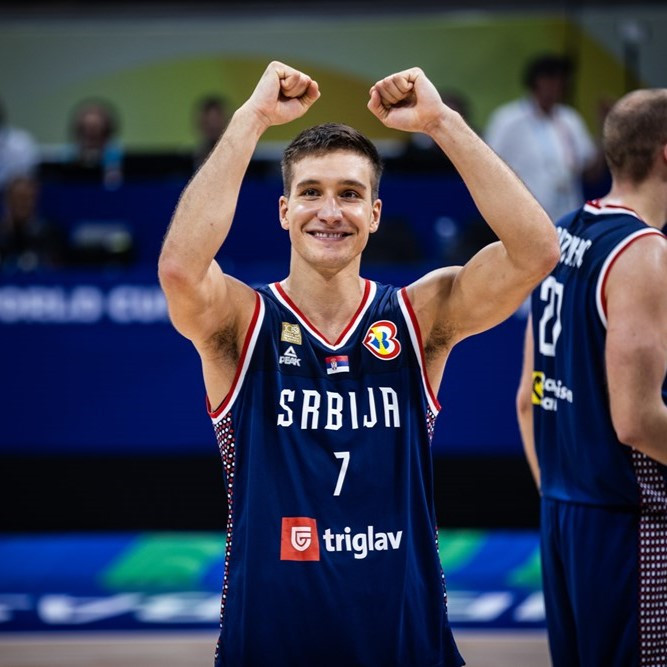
<point>647,432</point>
<point>636,370</point>
<point>505,203</point>
<point>205,211</point>
<point>524,404</point>
<point>525,419</point>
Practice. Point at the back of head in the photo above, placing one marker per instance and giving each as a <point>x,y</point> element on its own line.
<point>327,138</point>
<point>635,130</point>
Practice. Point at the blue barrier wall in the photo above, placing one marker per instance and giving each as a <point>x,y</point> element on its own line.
<point>92,365</point>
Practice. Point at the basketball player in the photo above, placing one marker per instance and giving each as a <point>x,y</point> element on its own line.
<point>323,387</point>
<point>593,388</point>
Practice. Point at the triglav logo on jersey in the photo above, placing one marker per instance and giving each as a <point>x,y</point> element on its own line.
<point>298,539</point>
<point>381,340</point>
<point>290,357</point>
<point>291,333</point>
<point>543,385</point>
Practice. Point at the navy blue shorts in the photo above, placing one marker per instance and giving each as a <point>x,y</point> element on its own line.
<point>605,585</point>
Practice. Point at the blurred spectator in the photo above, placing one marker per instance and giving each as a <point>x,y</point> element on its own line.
<point>211,118</point>
<point>420,152</point>
<point>19,154</point>
<point>545,141</point>
<point>27,241</point>
<point>95,148</point>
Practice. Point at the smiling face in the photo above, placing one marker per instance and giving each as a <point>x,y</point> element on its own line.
<point>330,210</point>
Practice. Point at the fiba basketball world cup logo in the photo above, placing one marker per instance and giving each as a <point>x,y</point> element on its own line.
<point>298,539</point>
<point>381,340</point>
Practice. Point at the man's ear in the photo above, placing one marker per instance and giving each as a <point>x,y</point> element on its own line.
<point>283,205</point>
<point>375,215</point>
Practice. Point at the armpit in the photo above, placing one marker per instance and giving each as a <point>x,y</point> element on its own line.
<point>223,346</point>
<point>439,339</point>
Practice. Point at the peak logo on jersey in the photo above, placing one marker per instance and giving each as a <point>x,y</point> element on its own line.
<point>547,392</point>
<point>381,340</point>
<point>339,364</point>
<point>290,357</point>
<point>298,539</point>
<point>291,333</point>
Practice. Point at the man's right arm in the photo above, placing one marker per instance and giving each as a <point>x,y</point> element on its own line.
<point>636,348</point>
<point>209,308</point>
<point>198,294</point>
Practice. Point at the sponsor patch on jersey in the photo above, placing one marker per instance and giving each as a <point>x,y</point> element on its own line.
<point>538,387</point>
<point>338,364</point>
<point>298,539</point>
<point>291,333</point>
<point>290,358</point>
<point>381,340</point>
<point>547,392</point>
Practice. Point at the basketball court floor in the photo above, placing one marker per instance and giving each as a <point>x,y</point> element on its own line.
<point>152,599</point>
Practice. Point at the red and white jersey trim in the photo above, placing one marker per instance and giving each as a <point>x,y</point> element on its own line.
<point>366,300</point>
<point>600,300</point>
<point>416,338</point>
<point>596,208</point>
<point>242,367</point>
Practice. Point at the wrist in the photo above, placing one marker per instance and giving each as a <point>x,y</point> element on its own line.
<point>247,120</point>
<point>444,123</point>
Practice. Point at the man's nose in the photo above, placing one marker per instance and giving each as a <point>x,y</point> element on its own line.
<point>330,211</point>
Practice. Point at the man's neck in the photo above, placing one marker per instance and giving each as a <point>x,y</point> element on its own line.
<point>645,199</point>
<point>328,301</point>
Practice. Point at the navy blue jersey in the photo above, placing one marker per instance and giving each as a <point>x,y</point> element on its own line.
<point>331,540</point>
<point>581,459</point>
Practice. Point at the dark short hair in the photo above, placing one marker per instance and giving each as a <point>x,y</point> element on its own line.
<point>548,65</point>
<point>635,129</point>
<point>209,102</point>
<point>106,109</point>
<point>326,138</point>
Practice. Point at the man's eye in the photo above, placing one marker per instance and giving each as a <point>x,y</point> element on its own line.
<point>350,194</point>
<point>310,192</point>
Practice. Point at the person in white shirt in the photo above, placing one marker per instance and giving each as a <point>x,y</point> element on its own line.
<point>19,153</point>
<point>545,141</point>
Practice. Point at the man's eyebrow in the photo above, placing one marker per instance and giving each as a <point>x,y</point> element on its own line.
<point>354,183</point>
<point>348,181</point>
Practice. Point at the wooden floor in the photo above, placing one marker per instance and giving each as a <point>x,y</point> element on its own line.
<point>480,649</point>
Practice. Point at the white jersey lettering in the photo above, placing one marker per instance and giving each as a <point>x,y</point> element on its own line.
<point>361,543</point>
<point>341,410</point>
<point>572,248</point>
<point>285,418</point>
<point>311,406</point>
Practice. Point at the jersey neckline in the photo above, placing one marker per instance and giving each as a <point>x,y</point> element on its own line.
<point>370,289</point>
<point>596,207</point>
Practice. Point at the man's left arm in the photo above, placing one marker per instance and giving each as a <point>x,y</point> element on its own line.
<point>493,284</point>
<point>636,347</point>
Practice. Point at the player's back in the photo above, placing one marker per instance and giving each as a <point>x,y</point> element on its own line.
<point>581,459</point>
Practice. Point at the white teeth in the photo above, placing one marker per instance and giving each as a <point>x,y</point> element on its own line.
<point>328,235</point>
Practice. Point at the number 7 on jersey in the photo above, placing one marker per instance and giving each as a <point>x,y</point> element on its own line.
<point>345,458</point>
